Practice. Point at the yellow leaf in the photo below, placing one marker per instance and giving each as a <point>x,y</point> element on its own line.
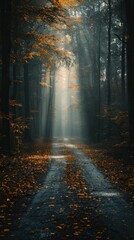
<point>51,205</point>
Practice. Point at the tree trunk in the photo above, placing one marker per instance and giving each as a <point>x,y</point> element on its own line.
<point>6,48</point>
<point>99,87</point>
<point>39,69</point>
<point>108,72</point>
<point>123,57</point>
<point>49,112</point>
<point>27,101</point>
<point>14,88</point>
<point>15,48</point>
<point>130,65</point>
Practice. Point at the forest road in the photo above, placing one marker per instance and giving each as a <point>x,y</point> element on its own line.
<point>76,201</point>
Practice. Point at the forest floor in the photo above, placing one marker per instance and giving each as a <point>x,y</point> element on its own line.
<point>20,178</point>
<point>23,183</point>
<point>116,162</point>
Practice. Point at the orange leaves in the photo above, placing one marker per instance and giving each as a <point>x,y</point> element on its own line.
<point>44,84</point>
<point>32,55</point>
<point>74,76</point>
<point>26,17</point>
<point>74,86</point>
<point>61,226</point>
<point>80,214</point>
<point>52,205</point>
<point>13,103</point>
<point>117,169</point>
<point>18,177</point>
<point>46,46</point>
<point>70,3</point>
<point>18,126</point>
<point>45,40</point>
<point>73,176</point>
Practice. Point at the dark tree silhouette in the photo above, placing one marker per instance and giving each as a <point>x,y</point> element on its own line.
<point>6,49</point>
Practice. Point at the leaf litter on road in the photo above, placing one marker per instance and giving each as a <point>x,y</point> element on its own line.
<point>116,164</point>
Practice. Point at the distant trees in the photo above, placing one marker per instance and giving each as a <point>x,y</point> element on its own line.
<point>101,35</point>
<point>27,37</point>
<point>102,57</point>
<point>129,5</point>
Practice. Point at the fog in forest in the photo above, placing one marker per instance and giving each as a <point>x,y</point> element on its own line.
<point>83,92</point>
<point>66,72</point>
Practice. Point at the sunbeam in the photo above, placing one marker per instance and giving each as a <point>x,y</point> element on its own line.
<point>66,120</point>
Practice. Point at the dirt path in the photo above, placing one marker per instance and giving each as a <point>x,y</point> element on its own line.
<point>116,214</point>
<point>75,202</point>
